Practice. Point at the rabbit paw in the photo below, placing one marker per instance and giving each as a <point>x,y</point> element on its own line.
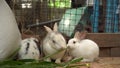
<point>47,59</point>
<point>58,60</point>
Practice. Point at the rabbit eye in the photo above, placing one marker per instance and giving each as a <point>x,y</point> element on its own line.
<point>74,42</point>
<point>53,41</point>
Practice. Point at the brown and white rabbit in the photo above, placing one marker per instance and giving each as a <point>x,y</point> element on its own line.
<point>52,43</point>
<point>29,49</point>
<point>83,48</point>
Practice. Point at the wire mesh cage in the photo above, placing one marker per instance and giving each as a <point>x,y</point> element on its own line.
<point>97,16</point>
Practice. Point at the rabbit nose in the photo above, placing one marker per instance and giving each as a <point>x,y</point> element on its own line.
<point>68,46</point>
<point>63,47</point>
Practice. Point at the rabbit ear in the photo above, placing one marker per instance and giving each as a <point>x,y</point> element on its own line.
<point>76,35</point>
<point>48,29</point>
<point>80,35</point>
<point>55,27</point>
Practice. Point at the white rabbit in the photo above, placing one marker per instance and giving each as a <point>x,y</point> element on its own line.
<point>52,43</point>
<point>83,48</point>
<point>29,49</point>
<point>10,36</point>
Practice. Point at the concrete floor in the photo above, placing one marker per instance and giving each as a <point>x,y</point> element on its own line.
<point>104,62</point>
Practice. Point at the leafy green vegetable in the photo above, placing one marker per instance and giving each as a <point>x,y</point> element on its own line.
<point>27,63</point>
<point>73,61</point>
<point>52,54</point>
<point>31,63</point>
<point>13,54</point>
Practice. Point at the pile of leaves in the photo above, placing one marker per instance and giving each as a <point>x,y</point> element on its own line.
<point>30,63</point>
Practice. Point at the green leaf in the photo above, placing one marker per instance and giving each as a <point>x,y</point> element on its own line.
<point>73,61</point>
<point>13,54</point>
<point>52,54</point>
<point>10,62</point>
<point>26,64</point>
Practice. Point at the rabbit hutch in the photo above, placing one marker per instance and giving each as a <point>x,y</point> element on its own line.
<point>100,18</point>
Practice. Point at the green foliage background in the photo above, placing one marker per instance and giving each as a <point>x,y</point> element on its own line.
<point>60,3</point>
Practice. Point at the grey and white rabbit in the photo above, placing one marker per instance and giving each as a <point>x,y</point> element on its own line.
<point>83,48</point>
<point>29,49</point>
<point>52,43</point>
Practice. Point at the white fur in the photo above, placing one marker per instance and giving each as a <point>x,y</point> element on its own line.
<point>32,51</point>
<point>86,49</point>
<point>10,37</point>
<point>49,47</point>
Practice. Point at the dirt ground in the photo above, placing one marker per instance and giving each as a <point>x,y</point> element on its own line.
<point>105,62</point>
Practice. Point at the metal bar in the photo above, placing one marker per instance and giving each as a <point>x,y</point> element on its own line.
<point>43,23</point>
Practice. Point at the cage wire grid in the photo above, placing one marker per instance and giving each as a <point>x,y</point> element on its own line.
<point>97,16</point>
